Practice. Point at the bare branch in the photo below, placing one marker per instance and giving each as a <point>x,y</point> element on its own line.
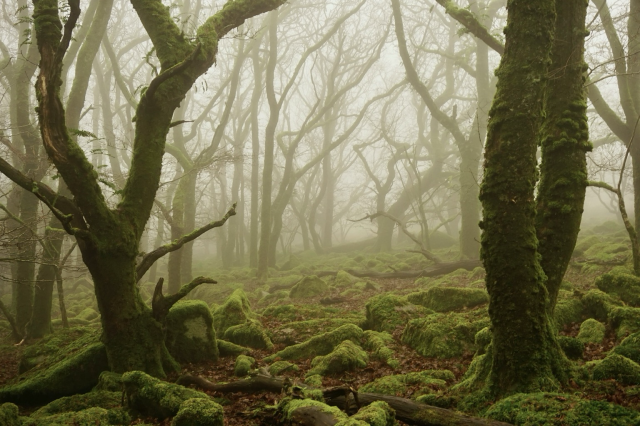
<point>161,304</point>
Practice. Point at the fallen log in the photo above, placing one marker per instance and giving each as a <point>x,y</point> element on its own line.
<point>408,411</point>
<point>434,271</point>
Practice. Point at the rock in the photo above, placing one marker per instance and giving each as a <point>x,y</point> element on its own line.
<point>445,299</point>
<point>630,347</point>
<point>345,279</point>
<point>280,367</point>
<point>618,367</point>
<point>109,381</point>
<point>227,348</point>
<point>625,320</point>
<point>310,286</point>
<point>591,331</point>
<point>621,283</point>
<point>88,314</point>
<point>567,311</point>
<point>235,310</point>
<point>572,347</point>
<point>89,416</point>
<point>378,413</point>
<point>190,336</point>
<point>387,311</point>
<point>398,384</point>
<point>250,334</point>
<point>598,304</point>
<point>199,412</point>
<point>102,399</point>
<point>243,365</point>
<point>9,415</point>
<point>346,357</point>
<point>377,343</point>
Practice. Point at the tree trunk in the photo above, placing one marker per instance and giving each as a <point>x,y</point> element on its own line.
<point>255,157</point>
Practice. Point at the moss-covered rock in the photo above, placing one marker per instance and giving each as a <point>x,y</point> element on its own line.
<point>102,399</point>
<point>155,398</point>
<point>310,286</point>
<point>445,335</point>
<point>630,347</point>
<point>189,335</point>
<point>554,409</point>
<point>88,314</point>
<point>618,367</point>
<point>292,332</point>
<point>345,279</point>
<point>445,299</point>
<point>9,415</point>
<point>572,347</point>
<point>625,320</point>
<point>289,406</point>
<point>591,331</point>
<point>243,365</point>
<point>315,380</point>
<point>280,367</point>
<point>482,339</point>
<point>386,312</point>
<point>398,384</point>
<point>227,348</point>
<point>87,417</point>
<point>606,251</point>
<point>249,334</point>
<point>109,381</point>
<point>235,310</point>
<point>378,413</point>
<point>346,356</point>
<point>320,344</point>
<point>378,343</point>
<point>598,304</point>
<point>622,284</point>
<point>199,412</point>
<point>567,311</point>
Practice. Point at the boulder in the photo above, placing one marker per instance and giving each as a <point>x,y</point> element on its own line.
<point>445,299</point>
<point>591,331</point>
<point>243,365</point>
<point>190,336</point>
<point>235,310</point>
<point>250,334</point>
<point>309,286</point>
<point>346,356</point>
<point>621,283</point>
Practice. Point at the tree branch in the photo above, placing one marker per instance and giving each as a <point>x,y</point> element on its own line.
<point>161,304</point>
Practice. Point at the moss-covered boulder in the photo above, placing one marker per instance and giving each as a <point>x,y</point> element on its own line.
<point>289,313</point>
<point>190,336</point>
<point>279,367</point>
<point>445,335</point>
<point>399,384</point>
<point>249,334</point>
<point>378,413</point>
<point>598,304</point>
<point>572,347</point>
<point>309,286</point>
<point>292,332</point>
<point>109,381</point>
<point>9,415</point>
<point>243,365</point>
<point>625,320</point>
<point>102,399</point>
<point>344,279</point>
<point>153,397</point>
<point>630,347</point>
<point>235,310</point>
<point>622,284</point>
<point>87,417</point>
<point>445,299</point>
<point>554,409</point>
<point>386,312</point>
<point>88,314</point>
<point>320,344</point>
<point>568,311</point>
<point>591,331</point>
<point>618,367</point>
<point>227,348</point>
<point>290,409</point>
<point>346,356</point>
<point>378,343</point>
<point>199,412</point>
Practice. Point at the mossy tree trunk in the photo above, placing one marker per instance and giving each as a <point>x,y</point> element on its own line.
<point>526,355</point>
<point>109,238</point>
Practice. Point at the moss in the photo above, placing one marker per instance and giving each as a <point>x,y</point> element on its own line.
<point>618,367</point>
<point>345,279</point>
<point>243,365</point>
<point>572,347</point>
<point>297,331</point>
<point>437,400</point>
<point>189,334</point>
<point>567,311</point>
<point>235,310</point>
<point>273,297</point>
<point>109,381</point>
<point>87,417</point>
<point>227,348</point>
<point>378,342</point>
<point>445,335</point>
<point>346,356</point>
<point>398,384</point>
<point>625,320</point>
<point>444,299</point>
<point>250,334</point>
<point>605,252</point>
<point>88,314</point>
<point>297,312</point>
<point>155,398</point>
<point>386,312</point>
<point>622,284</point>
<point>9,415</point>
<point>314,380</point>
<point>591,331</point>
<point>378,413</point>
<point>542,409</point>
<point>199,412</point>
<point>320,344</point>
<point>310,286</point>
<point>289,406</point>
<point>630,347</point>
<point>287,280</point>
<point>598,304</point>
<point>101,399</point>
<point>280,367</point>
<point>213,294</point>
<point>482,339</point>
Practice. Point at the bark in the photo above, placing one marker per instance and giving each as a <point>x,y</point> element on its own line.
<point>255,156</point>
<point>526,355</point>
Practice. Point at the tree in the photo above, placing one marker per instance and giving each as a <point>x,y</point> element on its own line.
<point>109,237</point>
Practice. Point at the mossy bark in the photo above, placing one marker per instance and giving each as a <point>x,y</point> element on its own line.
<point>526,355</point>
<point>565,142</point>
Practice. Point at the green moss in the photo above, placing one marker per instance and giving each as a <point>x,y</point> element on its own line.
<point>235,310</point>
<point>199,412</point>
<point>227,348</point>
<point>273,297</point>
<point>102,399</point>
<point>320,344</point>
<point>625,320</point>
<point>605,252</point>
<point>109,381</point>
<point>243,365</point>
<point>314,380</point>
<point>567,311</point>
<point>444,299</point>
<point>87,417</point>
<point>542,409</point>
<point>297,331</point>
<point>155,398</point>
<point>250,334</point>
<point>571,346</point>
<point>622,284</point>
<point>346,356</point>
<point>297,312</point>
<point>310,286</point>
<point>483,339</point>
<point>437,400</point>
<point>398,384</point>
<point>189,334</point>
<point>445,335</point>
<point>88,314</point>
<point>591,331</point>
<point>618,367</point>
<point>280,367</point>
<point>287,280</point>
<point>377,343</point>
<point>598,304</point>
<point>378,413</point>
<point>289,406</point>
<point>9,415</point>
<point>630,347</point>
<point>345,279</point>
<point>386,312</point>
<point>213,294</point>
